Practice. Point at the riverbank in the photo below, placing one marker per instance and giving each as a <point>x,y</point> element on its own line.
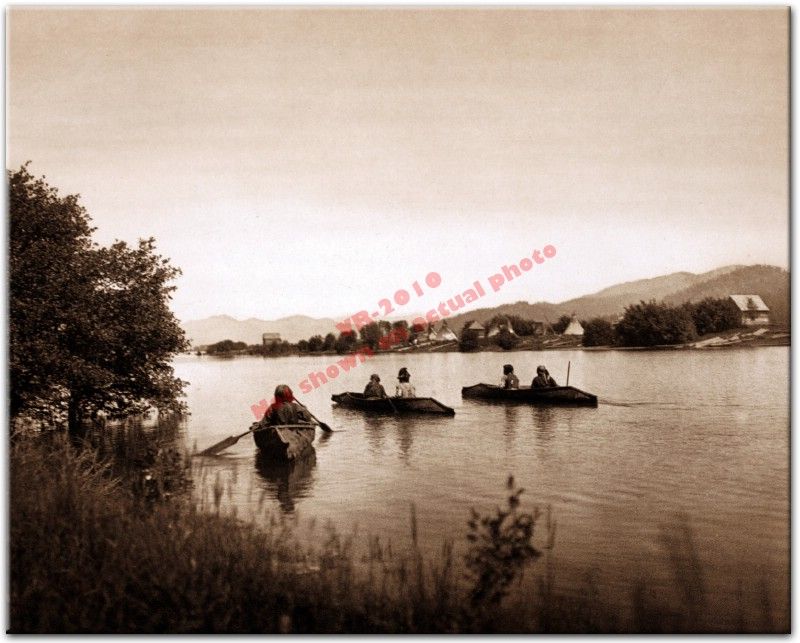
<point>90,553</point>
<point>736,338</point>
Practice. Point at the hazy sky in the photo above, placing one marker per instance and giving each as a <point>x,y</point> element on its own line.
<point>315,161</point>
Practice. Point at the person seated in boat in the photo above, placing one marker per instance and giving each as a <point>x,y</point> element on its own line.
<point>542,379</point>
<point>404,387</point>
<point>374,388</point>
<point>285,410</point>
<point>509,380</point>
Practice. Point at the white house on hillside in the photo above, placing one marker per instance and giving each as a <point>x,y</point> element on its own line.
<point>754,310</point>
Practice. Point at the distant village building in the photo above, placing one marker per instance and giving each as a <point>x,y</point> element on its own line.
<point>497,329</point>
<point>538,327</point>
<point>754,310</point>
<point>270,339</point>
<point>445,334</point>
<point>574,327</point>
<point>474,328</point>
<point>431,336</point>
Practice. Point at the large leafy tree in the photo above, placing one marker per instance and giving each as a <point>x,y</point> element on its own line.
<point>714,315</point>
<point>651,324</point>
<point>598,332</point>
<point>90,329</point>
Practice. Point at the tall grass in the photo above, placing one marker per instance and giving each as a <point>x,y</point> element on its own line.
<point>87,555</point>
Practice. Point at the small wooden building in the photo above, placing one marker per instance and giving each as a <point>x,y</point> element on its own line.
<point>754,310</point>
<point>475,329</point>
<point>270,339</point>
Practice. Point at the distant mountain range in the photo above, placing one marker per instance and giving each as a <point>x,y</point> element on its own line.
<point>214,329</point>
<point>770,282</point>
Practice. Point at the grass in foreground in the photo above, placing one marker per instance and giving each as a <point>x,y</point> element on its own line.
<point>90,555</point>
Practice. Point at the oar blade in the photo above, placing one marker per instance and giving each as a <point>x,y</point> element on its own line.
<point>220,446</point>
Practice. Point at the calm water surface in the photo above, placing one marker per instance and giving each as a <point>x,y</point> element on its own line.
<point>679,436</point>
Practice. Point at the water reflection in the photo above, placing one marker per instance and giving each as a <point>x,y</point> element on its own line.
<point>544,421</point>
<point>406,428</point>
<point>510,427</point>
<point>287,482</point>
<point>375,431</point>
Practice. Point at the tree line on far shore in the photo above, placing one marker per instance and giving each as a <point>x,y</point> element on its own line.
<point>657,323</point>
<point>644,324</point>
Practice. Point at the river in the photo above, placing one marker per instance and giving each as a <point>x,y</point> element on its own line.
<point>697,438</point>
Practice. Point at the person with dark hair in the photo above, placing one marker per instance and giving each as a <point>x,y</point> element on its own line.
<point>509,380</point>
<point>284,410</point>
<point>374,388</point>
<point>542,379</point>
<point>404,387</point>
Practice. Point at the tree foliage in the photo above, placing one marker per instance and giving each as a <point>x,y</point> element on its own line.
<point>371,334</point>
<point>506,340</point>
<point>561,325</point>
<point>272,349</point>
<point>226,346</point>
<point>598,332</point>
<point>329,343</point>
<point>345,343</point>
<point>315,344</point>
<point>90,329</point>
<point>652,324</point>
<point>714,315</point>
<point>469,344</point>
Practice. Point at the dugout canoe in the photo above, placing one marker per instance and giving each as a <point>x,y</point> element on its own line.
<point>286,442</point>
<point>390,405</point>
<point>556,395</point>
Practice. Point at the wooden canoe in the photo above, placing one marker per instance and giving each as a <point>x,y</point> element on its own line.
<point>562,395</point>
<point>388,405</point>
<point>284,443</point>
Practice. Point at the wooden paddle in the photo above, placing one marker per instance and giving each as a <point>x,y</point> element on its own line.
<point>322,425</point>
<point>219,447</point>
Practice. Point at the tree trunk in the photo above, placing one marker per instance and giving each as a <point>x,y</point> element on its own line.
<point>74,424</point>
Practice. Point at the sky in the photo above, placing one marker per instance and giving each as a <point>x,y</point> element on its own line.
<point>314,161</point>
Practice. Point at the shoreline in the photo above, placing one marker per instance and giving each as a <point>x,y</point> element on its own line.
<point>780,336</point>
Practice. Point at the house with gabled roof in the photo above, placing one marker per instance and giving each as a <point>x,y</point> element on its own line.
<point>754,310</point>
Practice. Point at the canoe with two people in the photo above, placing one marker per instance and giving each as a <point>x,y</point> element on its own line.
<point>404,387</point>
<point>375,400</point>
<point>510,380</point>
<point>543,390</point>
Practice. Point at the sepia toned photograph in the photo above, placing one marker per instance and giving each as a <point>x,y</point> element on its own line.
<point>398,320</point>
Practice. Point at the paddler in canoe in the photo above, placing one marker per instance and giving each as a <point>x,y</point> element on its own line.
<point>542,379</point>
<point>374,388</point>
<point>285,410</point>
<point>284,442</point>
<point>404,386</point>
<point>509,380</point>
